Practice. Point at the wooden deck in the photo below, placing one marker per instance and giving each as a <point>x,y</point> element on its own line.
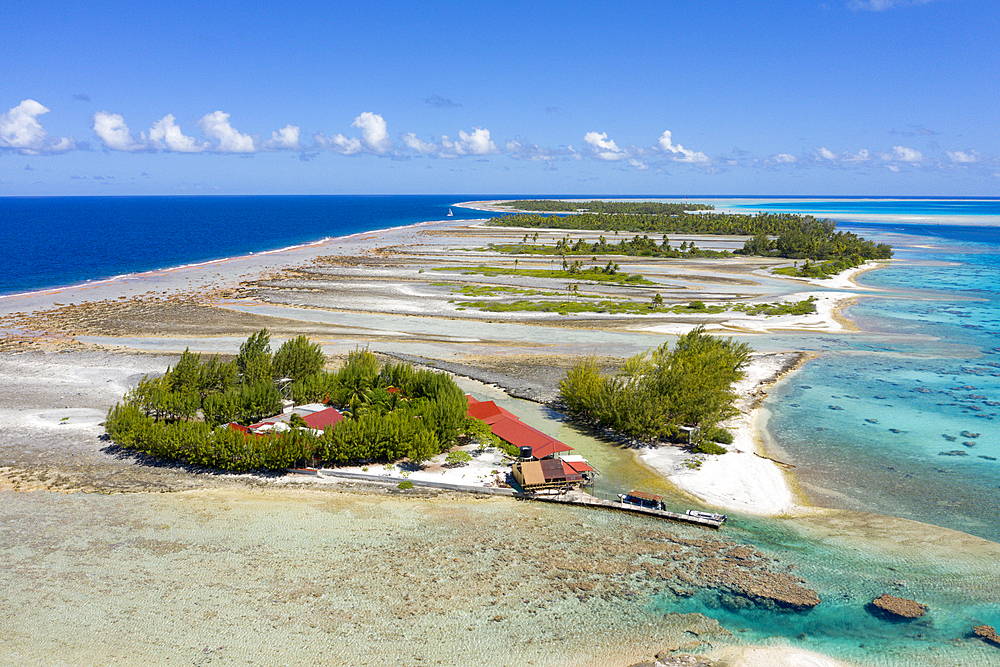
<point>579,498</point>
<point>569,498</point>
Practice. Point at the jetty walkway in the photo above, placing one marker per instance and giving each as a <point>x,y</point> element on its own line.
<point>568,498</point>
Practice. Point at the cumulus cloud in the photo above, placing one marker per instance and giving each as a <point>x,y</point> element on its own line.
<point>20,130</point>
<point>604,148</point>
<point>338,143</point>
<point>476,143</point>
<point>286,138</point>
<point>784,158</point>
<point>903,154</point>
<point>374,135</point>
<point>165,134</point>
<point>112,130</point>
<point>216,125</point>
<point>963,156</point>
<point>682,154</point>
<point>411,141</point>
<point>823,153</point>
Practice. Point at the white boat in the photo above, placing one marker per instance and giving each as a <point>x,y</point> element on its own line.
<point>707,515</point>
<point>450,214</point>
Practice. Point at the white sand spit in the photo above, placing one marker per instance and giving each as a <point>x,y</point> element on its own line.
<point>739,480</point>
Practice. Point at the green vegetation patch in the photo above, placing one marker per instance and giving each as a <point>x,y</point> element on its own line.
<point>642,308</point>
<point>595,274</point>
<point>391,411</point>
<point>804,307</point>
<point>786,235</point>
<point>637,246</point>
<point>655,393</point>
<point>821,270</point>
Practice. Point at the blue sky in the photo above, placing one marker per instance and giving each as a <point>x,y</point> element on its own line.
<point>856,97</point>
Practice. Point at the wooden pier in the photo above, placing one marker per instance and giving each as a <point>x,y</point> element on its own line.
<point>567,498</point>
<point>580,498</point>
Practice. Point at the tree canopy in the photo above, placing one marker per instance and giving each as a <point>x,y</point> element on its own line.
<point>391,411</point>
<point>656,392</point>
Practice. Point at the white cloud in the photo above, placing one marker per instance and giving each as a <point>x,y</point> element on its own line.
<point>604,148</point>
<point>165,134</point>
<point>882,5</point>
<point>784,158</point>
<point>638,164</point>
<point>374,135</point>
<point>903,154</point>
<point>666,144</point>
<point>20,130</point>
<point>892,167</point>
<point>411,141</point>
<point>860,156</point>
<point>338,143</point>
<point>826,154</point>
<point>112,130</point>
<point>963,156</point>
<point>216,125</point>
<point>285,138</point>
<point>477,143</point>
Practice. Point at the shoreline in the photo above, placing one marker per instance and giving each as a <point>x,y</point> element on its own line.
<point>744,479</point>
<point>92,283</point>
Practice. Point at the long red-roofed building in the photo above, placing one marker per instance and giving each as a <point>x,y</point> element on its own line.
<point>545,472</point>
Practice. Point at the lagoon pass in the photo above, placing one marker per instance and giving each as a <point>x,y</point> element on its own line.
<point>888,433</point>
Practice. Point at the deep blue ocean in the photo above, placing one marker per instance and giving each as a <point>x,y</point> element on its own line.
<point>56,241</point>
<point>900,418</point>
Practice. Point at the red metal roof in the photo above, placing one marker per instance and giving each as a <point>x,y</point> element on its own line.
<point>238,428</point>
<point>520,434</point>
<point>579,466</point>
<point>489,412</point>
<point>323,418</point>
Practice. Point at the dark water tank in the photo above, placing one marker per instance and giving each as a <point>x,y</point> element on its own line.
<point>525,451</point>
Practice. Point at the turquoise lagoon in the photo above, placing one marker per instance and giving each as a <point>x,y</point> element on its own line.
<point>900,419</point>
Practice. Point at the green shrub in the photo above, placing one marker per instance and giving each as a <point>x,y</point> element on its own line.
<point>708,447</point>
<point>407,484</point>
<point>254,360</point>
<point>298,358</point>
<point>719,434</point>
<point>458,458</point>
<point>654,393</point>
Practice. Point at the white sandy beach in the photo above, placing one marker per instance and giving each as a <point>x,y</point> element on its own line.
<point>741,480</point>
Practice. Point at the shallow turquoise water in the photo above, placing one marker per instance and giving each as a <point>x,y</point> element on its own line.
<point>905,419</point>
<point>900,419</point>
